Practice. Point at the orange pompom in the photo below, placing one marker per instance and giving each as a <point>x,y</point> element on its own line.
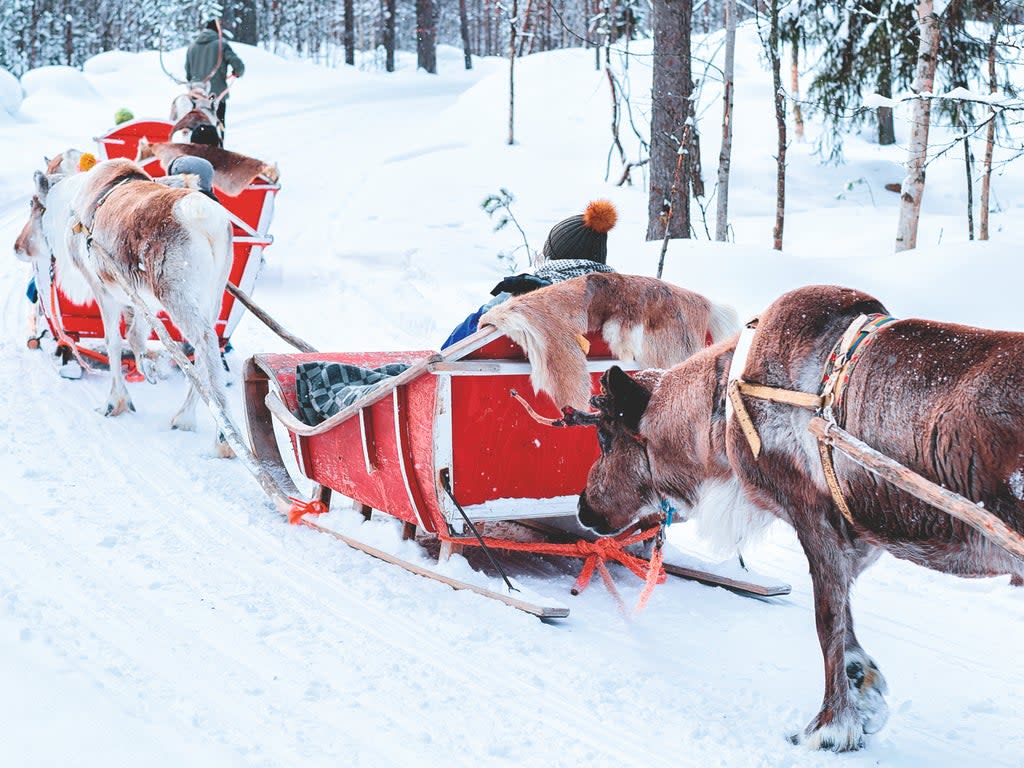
<point>86,161</point>
<point>600,216</point>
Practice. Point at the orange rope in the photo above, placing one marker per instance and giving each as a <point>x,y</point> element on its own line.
<point>654,572</point>
<point>594,555</point>
<point>300,508</point>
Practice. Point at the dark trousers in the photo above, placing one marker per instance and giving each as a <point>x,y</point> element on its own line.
<point>220,110</point>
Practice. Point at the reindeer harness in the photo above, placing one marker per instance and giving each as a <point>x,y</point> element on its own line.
<point>826,403</point>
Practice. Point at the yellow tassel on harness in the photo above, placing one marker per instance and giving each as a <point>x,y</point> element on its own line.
<point>583,342</point>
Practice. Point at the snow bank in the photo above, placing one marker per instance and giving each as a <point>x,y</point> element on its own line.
<point>63,82</point>
<point>11,94</point>
<point>110,62</point>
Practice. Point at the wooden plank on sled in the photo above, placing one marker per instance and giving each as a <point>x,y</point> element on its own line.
<point>709,577</point>
<point>948,501</point>
<point>541,611</point>
<point>471,343</point>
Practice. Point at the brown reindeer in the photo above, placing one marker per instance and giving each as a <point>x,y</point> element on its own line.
<point>114,224</point>
<point>644,320</point>
<point>945,400</point>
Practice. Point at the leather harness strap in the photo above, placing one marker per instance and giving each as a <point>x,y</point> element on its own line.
<point>837,372</point>
<point>738,388</point>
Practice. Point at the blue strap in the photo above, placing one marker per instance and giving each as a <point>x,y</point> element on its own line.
<point>669,510</point>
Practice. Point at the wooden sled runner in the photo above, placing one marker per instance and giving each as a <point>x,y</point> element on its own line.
<point>443,448</point>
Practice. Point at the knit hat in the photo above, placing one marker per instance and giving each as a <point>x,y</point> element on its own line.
<point>204,133</point>
<point>584,236</point>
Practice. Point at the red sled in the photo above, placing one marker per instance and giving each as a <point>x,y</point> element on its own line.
<point>445,448</point>
<point>251,212</point>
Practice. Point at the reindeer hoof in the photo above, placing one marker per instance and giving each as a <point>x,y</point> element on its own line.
<point>841,735</point>
<point>119,407</point>
<point>867,689</point>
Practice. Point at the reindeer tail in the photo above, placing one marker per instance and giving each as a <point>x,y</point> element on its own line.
<point>553,343</point>
<point>723,322</point>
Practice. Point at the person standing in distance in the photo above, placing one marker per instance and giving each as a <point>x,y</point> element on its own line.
<point>208,59</point>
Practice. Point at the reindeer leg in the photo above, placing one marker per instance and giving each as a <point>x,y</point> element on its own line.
<point>867,684</point>
<point>185,418</point>
<point>110,310</point>
<point>210,370</point>
<point>838,725</point>
<point>138,332</point>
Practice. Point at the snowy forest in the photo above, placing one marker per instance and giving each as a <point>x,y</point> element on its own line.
<point>855,55</point>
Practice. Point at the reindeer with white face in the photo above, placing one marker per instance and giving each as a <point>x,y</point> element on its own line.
<point>197,106</point>
<point>172,246</point>
<point>945,400</point>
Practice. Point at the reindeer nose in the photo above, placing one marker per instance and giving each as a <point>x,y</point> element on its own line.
<point>587,516</point>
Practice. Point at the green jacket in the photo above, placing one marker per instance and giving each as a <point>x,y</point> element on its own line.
<point>202,57</point>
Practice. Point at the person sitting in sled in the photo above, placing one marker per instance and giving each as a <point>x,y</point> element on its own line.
<point>575,246</point>
<point>197,166</point>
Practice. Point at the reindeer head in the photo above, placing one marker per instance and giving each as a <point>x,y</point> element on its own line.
<point>31,243</point>
<point>620,489</point>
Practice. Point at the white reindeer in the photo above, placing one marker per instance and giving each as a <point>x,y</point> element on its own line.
<point>112,228</point>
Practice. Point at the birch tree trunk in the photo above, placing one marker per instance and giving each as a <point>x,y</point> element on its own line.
<point>512,22</point>
<point>913,185</point>
<point>969,173</point>
<point>668,207</point>
<point>725,156</point>
<point>794,90</point>
<point>990,140</point>
<point>780,121</point>
<point>886,126</point>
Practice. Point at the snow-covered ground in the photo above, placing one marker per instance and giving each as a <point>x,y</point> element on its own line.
<point>155,610</point>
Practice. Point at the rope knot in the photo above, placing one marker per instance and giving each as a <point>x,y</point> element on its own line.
<point>299,508</point>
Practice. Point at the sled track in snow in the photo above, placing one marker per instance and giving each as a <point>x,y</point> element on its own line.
<point>182,529</point>
<point>152,554</point>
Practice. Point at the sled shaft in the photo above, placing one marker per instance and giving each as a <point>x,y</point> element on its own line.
<point>903,477</point>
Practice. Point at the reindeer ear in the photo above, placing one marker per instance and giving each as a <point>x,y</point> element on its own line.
<point>42,184</point>
<point>626,398</point>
